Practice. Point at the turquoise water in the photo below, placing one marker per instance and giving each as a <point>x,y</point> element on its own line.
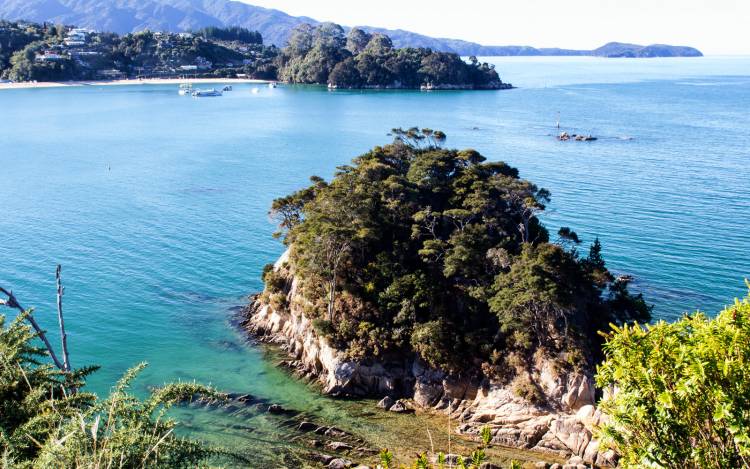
<point>156,204</point>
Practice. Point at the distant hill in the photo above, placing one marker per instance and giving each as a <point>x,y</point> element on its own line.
<point>124,16</point>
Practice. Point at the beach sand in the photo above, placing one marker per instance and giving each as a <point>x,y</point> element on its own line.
<point>147,81</point>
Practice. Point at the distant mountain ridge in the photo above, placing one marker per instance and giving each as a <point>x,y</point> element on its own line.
<point>124,16</point>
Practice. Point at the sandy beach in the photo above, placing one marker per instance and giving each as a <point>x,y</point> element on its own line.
<point>147,81</point>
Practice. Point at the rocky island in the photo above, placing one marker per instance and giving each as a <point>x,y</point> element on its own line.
<point>423,276</point>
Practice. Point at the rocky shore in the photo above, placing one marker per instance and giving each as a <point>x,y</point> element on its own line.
<point>561,427</point>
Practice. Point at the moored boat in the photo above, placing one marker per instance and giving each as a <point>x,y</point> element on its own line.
<point>206,93</point>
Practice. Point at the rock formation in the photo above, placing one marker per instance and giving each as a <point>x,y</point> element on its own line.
<point>562,426</point>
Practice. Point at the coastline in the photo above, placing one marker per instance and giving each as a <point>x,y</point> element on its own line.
<point>145,81</point>
<point>562,427</point>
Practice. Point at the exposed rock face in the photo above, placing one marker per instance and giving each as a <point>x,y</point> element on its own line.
<point>562,427</point>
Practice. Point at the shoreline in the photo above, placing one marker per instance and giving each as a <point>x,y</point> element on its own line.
<point>136,81</point>
<point>402,433</point>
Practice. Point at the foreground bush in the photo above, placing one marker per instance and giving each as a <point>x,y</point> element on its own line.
<point>47,421</point>
<point>682,395</point>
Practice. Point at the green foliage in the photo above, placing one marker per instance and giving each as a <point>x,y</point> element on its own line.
<point>415,248</point>
<point>229,50</point>
<point>274,281</point>
<point>486,436</point>
<point>682,395</point>
<point>46,420</point>
<point>323,55</point>
<point>233,33</point>
<point>386,459</point>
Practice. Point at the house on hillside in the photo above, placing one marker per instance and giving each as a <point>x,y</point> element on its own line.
<point>51,56</point>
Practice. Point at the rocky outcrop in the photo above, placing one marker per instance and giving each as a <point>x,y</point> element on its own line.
<point>562,426</point>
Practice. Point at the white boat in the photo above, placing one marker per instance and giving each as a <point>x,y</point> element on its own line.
<point>272,84</point>
<point>227,88</point>
<point>186,89</point>
<point>206,93</point>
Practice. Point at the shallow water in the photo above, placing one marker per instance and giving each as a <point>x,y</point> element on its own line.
<point>156,204</point>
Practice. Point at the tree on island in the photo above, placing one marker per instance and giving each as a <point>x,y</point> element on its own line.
<point>324,55</point>
<point>445,257</point>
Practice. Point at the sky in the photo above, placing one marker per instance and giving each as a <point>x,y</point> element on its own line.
<point>713,26</point>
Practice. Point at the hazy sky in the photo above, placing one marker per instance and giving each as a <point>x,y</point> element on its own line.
<point>714,26</point>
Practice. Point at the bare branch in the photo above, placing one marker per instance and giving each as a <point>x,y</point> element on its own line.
<point>60,320</point>
<point>11,302</point>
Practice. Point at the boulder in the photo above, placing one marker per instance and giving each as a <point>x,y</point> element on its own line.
<point>323,458</point>
<point>576,462</point>
<point>400,407</point>
<point>338,446</point>
<point>335,432</point>
<point>307,427</point>
<point>489,465</point>
<point>275,409</point>
<point>580,392</point>
<point>607,458</point>
<point>339,463</point>
<point>572,433</point>
<point>386,403</point>
<point>592,450</point>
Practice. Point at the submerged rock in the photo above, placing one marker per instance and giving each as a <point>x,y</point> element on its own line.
<point>306,427</point>
<point>275,409</point>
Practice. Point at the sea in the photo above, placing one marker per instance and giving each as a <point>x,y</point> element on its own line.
<point>156,206</point>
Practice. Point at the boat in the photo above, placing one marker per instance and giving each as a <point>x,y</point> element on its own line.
<point>206,93</point>
<point>186,89</point>
<point>272,84</point>
<point>227,88</point>
<point>585,138</point>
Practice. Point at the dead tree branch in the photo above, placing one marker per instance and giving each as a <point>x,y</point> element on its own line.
<point>11,302</point>
<point>61,320</point>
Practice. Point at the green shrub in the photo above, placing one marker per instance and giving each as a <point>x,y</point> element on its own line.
<point>47,420</point>
<point>323,327</point>
<point>683,391</point>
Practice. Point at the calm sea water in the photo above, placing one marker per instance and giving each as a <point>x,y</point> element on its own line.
<point>156,205</point>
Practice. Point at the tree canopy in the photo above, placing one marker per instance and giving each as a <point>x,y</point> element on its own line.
<point>325,55</point>
<point>418,248</point>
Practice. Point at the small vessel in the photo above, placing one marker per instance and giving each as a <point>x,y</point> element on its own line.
<point>206,93</point>
<point>186,89</point>
<point>585,138</point>
<point>272,84</point>
<point>254,90</point>
<point>227,88</point>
